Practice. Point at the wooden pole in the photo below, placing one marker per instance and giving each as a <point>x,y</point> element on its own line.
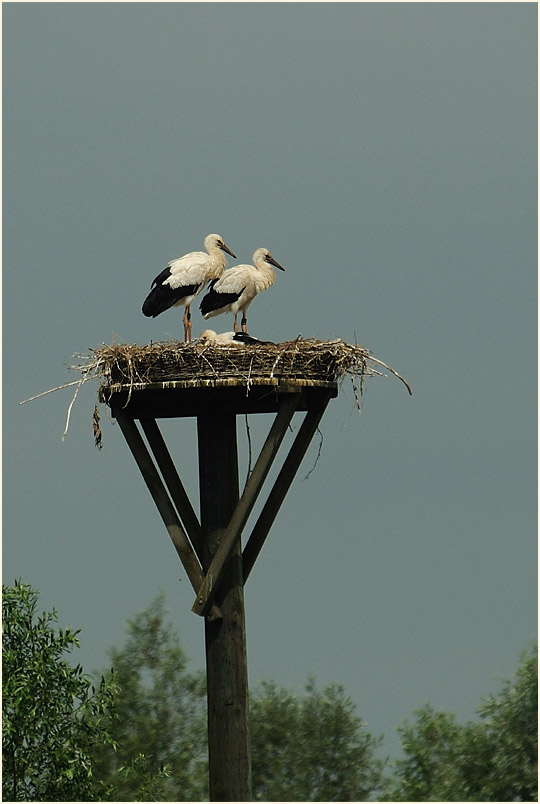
<point>245,506</point>
<point>226,654</point>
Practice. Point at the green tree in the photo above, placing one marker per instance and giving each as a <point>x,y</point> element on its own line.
<point>52,716</point>
<point>310,748</point>
<point>161,716</point>
<point>511,726</point>
<point>434,746</point>
<point>491,760</point>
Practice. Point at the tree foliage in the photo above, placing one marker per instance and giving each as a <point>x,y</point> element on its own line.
<point>511,727</point>
<point>52,715</point>
<point>160,730</point>
<point>310,748</point>
<point>492,760</point>
<point>140,734</point>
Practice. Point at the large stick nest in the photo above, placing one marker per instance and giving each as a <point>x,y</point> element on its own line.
<point>300,359</point>
<point>128,365</point>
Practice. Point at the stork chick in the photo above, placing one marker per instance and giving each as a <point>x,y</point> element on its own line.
<point>238,286</point>
<point>229,338</point>
<point>182,279</point>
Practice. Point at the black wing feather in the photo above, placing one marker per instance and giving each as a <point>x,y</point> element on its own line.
<point>161,297</point>
<point>162,277</point>
<point>215,301</point>
<point>243,337</point>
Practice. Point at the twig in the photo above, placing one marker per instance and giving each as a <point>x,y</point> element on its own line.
<point>405,383</point>
<point>81,381</point>
<point>318,455</point>
<point>358,393</point>
<point>248,433</point>
<point>96,427</point>
<point>50,391</point>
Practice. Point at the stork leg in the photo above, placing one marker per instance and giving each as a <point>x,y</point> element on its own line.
<point>236,322</point>
<point>244,323</point>
<point>187,324</point>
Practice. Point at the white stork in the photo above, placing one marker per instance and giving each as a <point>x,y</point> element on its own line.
<point>238,286</point>
<point>229,338</point>
<point>182,279</point>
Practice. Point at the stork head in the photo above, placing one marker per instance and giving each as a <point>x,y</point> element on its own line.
<point>263,255</point>
<point>216,241</point>
<point>208,335</point>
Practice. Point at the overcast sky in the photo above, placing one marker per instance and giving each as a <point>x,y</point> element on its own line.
<point>386,155</point>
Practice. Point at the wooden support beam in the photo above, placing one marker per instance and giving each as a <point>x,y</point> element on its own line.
<point>281,487</point>
<point>163,503</point>
<point>226,655</point>
<point>215,542</point>
<point>174,485</point>
<point>245,505</point>
<point>201,397</point>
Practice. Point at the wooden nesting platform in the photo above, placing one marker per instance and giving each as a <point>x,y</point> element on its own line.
<point>164,380</point>
<point>175,379</point>
<point>181,398</point>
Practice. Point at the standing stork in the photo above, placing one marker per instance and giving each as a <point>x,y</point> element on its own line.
<point>238,286</point>
<point>182,279</point>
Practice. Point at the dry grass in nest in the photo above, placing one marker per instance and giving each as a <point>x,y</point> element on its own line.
<point>309,359</point>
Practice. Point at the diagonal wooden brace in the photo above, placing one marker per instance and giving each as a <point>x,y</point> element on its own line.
<point>164,504</point>
<point>246,503</point>
<point>281,486</point>
<point>175,486</point>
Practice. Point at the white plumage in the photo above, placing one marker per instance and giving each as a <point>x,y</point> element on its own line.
<point>229,338</point>
<point>238,286</point>
<point>184,278</point>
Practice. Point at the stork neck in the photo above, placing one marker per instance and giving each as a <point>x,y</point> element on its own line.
<point>265,276</point>
<point>218,258</point>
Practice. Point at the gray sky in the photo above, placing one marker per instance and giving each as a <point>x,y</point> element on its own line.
<point>386,155</point>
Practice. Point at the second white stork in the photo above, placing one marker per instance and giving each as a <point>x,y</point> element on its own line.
<point>238,286</point>
<point>182,279</point>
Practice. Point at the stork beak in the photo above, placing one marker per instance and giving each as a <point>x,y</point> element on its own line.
<point>223,247</point>
<point>274,262</point>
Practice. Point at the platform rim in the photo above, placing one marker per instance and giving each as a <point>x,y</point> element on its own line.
<point>294,383</point>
